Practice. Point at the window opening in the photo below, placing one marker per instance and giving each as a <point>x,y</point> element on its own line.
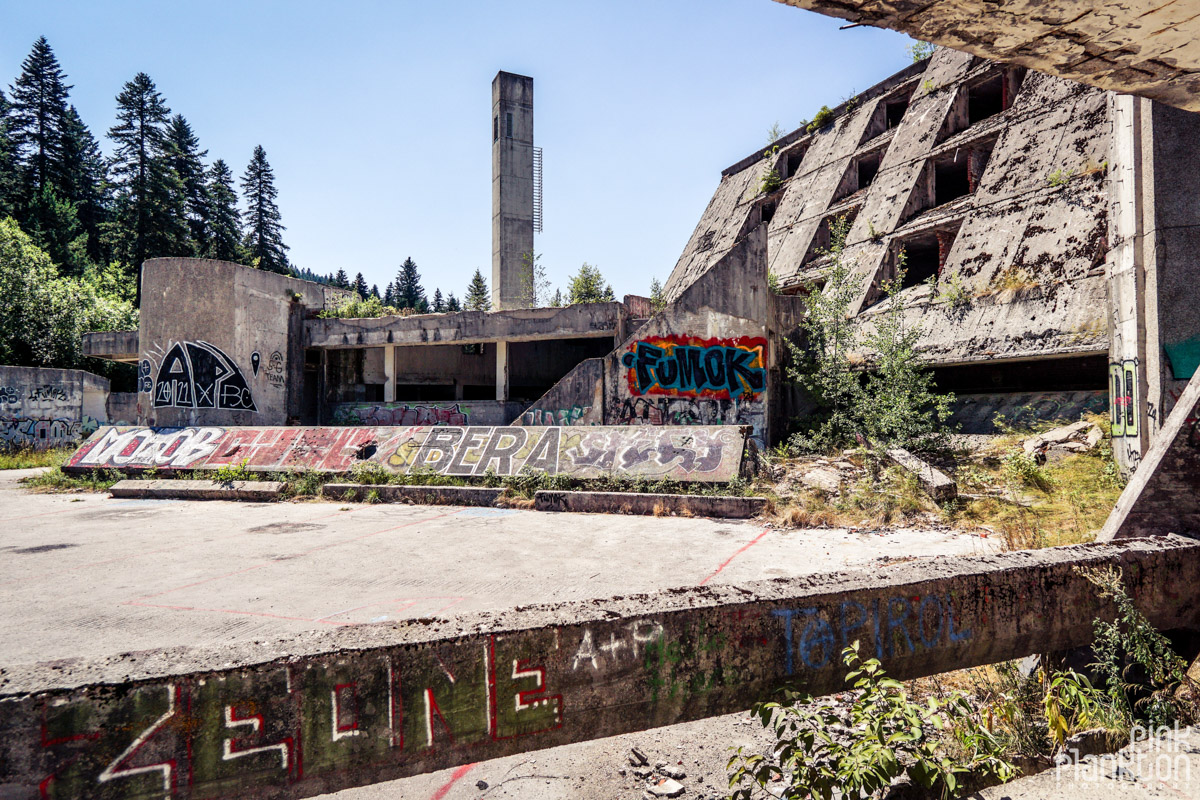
<point>508,125</point>
<point>985,99</point>
<point>495,128</point>
<point>768,211</point>
<point>895,113</point>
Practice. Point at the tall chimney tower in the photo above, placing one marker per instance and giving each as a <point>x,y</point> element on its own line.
<point>512,186</point>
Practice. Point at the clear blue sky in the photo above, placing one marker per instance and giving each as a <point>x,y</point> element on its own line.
<point>376,115</point>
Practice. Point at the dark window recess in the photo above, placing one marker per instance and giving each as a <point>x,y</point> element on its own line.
<point>793,162</point>
<point>475,349</point>
<point>985,99</point>
<point>921,262</point>
<point>767,211</point>
<point>508,125</point>
<point>950,178</point>
<point>528,393</point>
<point>895,113</point>
<point>824,235</point>
<point>868,168</point>
<point>495,128</point>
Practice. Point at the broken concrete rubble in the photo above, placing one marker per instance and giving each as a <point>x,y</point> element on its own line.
<point>937,484</point>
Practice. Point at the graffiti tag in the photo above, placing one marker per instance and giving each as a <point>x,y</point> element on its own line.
<point>199,375</point>
<point>688,365</point>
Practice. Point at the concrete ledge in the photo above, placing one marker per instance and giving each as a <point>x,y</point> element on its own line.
<point>695,505</point>
<point>426,495</point>
<point>257,491</point>
<point>427,694</point>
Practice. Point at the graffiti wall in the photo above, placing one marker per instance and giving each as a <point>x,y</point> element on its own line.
<point>45,408</point>
<point>377,702</point>
<point>703,453</point>
<point>688,366</point>
<point>474,412</point>
<point>195,375</point>
<point>688,380</point>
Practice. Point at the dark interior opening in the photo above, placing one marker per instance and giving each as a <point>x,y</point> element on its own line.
<point>426,392</point>
<point>824,235</point>
<point>868,168</point>
<point>985,99</point>
<point>1085,373</point>
<point>768,211</point>
<point>922,257</point>
<point>950,178</point>
<point>478,392</point>
<point>895,112</point>
<point>793,162</point>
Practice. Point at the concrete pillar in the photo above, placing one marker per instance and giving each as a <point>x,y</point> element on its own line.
<point>1154,233</point>
<point>512,187</point>
<point>389,373</point>
<point>502,371</point>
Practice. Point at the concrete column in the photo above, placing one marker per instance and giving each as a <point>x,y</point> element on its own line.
<point>512,187</point>
<point>389,373</point>
<point>502,371</point>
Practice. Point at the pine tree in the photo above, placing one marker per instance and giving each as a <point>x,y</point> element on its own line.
<point>587,286</point>
<point>224,222</point>
<point>8,163</point>
<point>149,212</point>
<point>389,294</point>
<point>375,291</point>
<point>557,300</point>
<point>341,280</point>
<point>439,305</point>
<point>186,159</point>
<point>478,297</point>
<point>39,112</point>
<point>452,303</point>
<point>264,231</point>
<point>84,182</point>
<point>360,285</point>
<point>409,293</point>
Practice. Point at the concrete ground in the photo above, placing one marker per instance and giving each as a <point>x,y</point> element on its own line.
<point>86,575</point>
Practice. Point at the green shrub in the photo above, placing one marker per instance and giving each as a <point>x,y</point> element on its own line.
<point>885,736</point>
<point>1021,468</point>
<point>822,118</point>
<point>234,472</point>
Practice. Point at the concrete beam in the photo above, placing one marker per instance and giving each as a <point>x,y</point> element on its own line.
<point>585,320</point>
<point>1145,47</point>
<point>358,705</point>
<point>253,491</point>
<point>119,346</point>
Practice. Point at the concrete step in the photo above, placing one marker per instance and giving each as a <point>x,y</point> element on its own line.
<point>695,505</point>
<point>257,491</point>
<point>425,495</point>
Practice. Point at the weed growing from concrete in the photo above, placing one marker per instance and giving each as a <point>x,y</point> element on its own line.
<point>234,472</point>
<point>55,480</point>
<point>770,179</point>
<point>820,120</point>
<point>893,404</point>
<point>821,752</point>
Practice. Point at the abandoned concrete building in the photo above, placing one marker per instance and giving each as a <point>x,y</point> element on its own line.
<point>1036,218</point>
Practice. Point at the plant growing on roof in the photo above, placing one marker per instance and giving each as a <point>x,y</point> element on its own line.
<point>822,118</point>
<point>771,179</point>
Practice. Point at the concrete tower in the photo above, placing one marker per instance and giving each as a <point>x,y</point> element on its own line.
<point>512,185</point>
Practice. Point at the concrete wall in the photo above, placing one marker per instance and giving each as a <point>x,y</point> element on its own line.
<point>1151,48</point>
<point>707,454</point>
<point>368,703</point>
<point>463,412</point>
<point>464,327</point>
<point>42,407</point>
<point>1025,254</point>
<point>219,343</point>
<point>705,360</point>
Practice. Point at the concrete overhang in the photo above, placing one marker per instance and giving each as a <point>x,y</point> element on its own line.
<point>1145,47</point>
<point>585,320</point>
<point>119,346</point>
